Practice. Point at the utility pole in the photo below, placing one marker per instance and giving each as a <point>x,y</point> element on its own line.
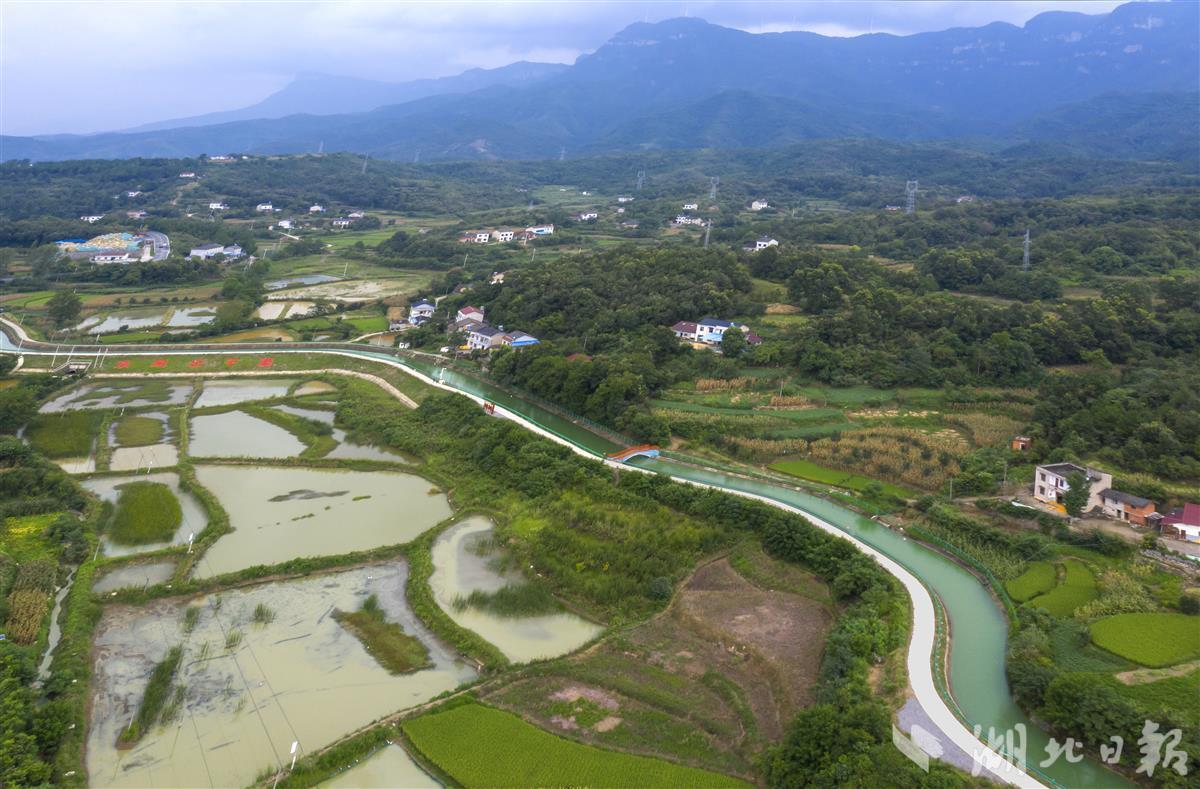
<point>1025,252</point>
<point>910,197</point>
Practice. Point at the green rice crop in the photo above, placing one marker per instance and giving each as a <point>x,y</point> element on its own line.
<point>1039,579</point>
<point>1077,588</point>
<point>158,691</point>
<point>138,431</point>
<point>482,746</point>
<point>1154,640</point>
<point>146,512</point>
<point>65,435</point>
<point>395,650</point>
<point>513,600</point>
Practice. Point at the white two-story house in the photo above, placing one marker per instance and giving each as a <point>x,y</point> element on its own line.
<point>1050,483</point>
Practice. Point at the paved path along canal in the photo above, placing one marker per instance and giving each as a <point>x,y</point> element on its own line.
<point>977,625</point>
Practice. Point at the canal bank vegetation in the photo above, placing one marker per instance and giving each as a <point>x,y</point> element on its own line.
<point>395,650</point>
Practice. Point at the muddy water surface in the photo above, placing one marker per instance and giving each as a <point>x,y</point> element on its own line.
<point>301,677</point>
<point>459,569</point>
<point>194,517</point>
<point>390,766</point>
<point>237,434</point>
<point>230,392</point>
<point>134,576</point>
<point>288,512</point>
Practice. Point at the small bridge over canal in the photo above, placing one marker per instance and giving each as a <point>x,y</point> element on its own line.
<point>641,450</point>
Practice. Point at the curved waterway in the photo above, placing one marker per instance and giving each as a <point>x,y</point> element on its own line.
<point>978,627</point>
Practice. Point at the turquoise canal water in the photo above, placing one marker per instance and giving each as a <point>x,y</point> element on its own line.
<point>977,624</point>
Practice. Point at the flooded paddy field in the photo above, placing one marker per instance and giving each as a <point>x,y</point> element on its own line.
<point>284,513</point>
<point>145,318</point>
<point>238,434</point>
<point>253,682</point>
<point>282,310</point>
<point>346,449</point>
<point>232,392</point>
<point>194,517</point>
<point>390,766</point>
<point>462,566</point>
<point>133,576</point>
<point>120,394</point>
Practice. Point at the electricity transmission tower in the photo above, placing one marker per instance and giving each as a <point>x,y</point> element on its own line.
<point>1025,252</point>
<point>707,231</point>
<point>712,187</point>
<point>562,154</point>
<point>364,167</point>
<point>910,197</point>
<point>641,179</point>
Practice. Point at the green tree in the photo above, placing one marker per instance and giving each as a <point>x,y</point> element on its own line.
<point>733,343</point>
<point>64,307</point>
<point>1078,491</point>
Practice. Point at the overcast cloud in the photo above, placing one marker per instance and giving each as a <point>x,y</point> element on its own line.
<point>94,66</point>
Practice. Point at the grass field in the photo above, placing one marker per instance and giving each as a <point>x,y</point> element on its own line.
<point>146,512</point>
<point>22,537</point>
<point>1078,587</point>
<point>1178,696</point>
<point>482,746</point>
<point>828,476</point>
<point>138,431</point>
<point>66,435</point>
<point>395,650</point>
<point>1039,579</point>
<point>1153,640</point>
<point>369,238</point>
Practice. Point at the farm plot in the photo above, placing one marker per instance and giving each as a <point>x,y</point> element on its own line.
<point>1039,579</point>
<point>482,746</point>
<point>1078,586</point>
<point>1154,639</point>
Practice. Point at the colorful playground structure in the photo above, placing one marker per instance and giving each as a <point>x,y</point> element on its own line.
<point>641,450</point>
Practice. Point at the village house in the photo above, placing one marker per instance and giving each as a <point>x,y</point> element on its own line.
<point>264,207</point>
<point>484,337</point>
<point>316,208</point>
<point>420,311</point>
<point>1134,510</point>
<point>519,339</point>
<point>469,313</point>
<point>759,205</point>
<point>503,235</point>
<point>541,230</point>
<point>1021,443</point>
<point>1050,483</point>
<point>478,236</point>
<point>1182,523</point>
<point>690,206</point>
<point>685,330</point>
<point>356,215</point>
<point>497,278</point>
<point>395,318</point>
<point>891,208</point>
<point>341,221</point>
<point>286,224</point>
<point>217,206</point>
<point>624,199</point>
<point>233,251</point>
<point>220,158</point>
<point>587,216</point>
<point>711,331</point>
<point>684,219</point>
<point>964,199</point>
<point>761,243</point>
<point>91,219</point>
<point>206,251</point>
<point>136,214</point>
<point>187,174</point>
<point>132,193</point>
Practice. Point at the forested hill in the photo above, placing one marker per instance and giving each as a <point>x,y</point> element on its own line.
<point>686,83</point>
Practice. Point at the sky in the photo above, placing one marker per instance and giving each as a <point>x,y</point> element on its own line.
<point>82,67</point>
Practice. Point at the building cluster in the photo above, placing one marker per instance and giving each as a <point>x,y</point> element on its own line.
<point>710,331</point>
<point>504,235</point>
<point>1050,486</point>
<point>481,336</point>
<point>206,251</point>
<point>115,247</point>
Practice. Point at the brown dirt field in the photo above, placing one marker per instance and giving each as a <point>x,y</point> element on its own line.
<point>709,682</point>
<point>778,308</point>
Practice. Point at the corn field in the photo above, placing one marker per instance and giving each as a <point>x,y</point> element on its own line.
<point>987,430</point>
<point>721,384</point>
<point>902,456</point>
<point>790,401</point>
<point>26,607</point>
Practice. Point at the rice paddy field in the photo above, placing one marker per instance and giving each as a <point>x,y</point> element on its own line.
<point>480,746</point>
<point>1076,586</point>
<point>1149,639</point>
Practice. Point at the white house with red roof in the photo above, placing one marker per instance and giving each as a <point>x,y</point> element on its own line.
<point>1183,522</point>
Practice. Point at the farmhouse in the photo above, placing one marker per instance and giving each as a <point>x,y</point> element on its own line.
<point>220,158</point>
<point>587,216</point>
<point>187,174</point>
<point>286,224</point>
<point>205,251</point>
<point>316,208</point>
<point>1134,510</point>
<point>132,193</point>
<point>356,215</point>
<point>503,235</point>
<point>1050,483</point>
<point>91,219</point>
<point>264,207</point>
<point>1183,523</point>
<point>624,199</point>
<point>469,313</point>
<point>420,311</point>
<point>136,214</point>
<point>395,318</point>
<point>1021,443</point>
<point>685,330</point>
<point>484,337</point>
<point>217,206</point>
<point>541,230</point>
<point>233,251</point>
<point>759,205</point>
<point>690,206</point>
<point>762,242</point>
<point>684,219</point>
<point>519,339</point>
<point>711,331</point>
<point>342,221</point>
